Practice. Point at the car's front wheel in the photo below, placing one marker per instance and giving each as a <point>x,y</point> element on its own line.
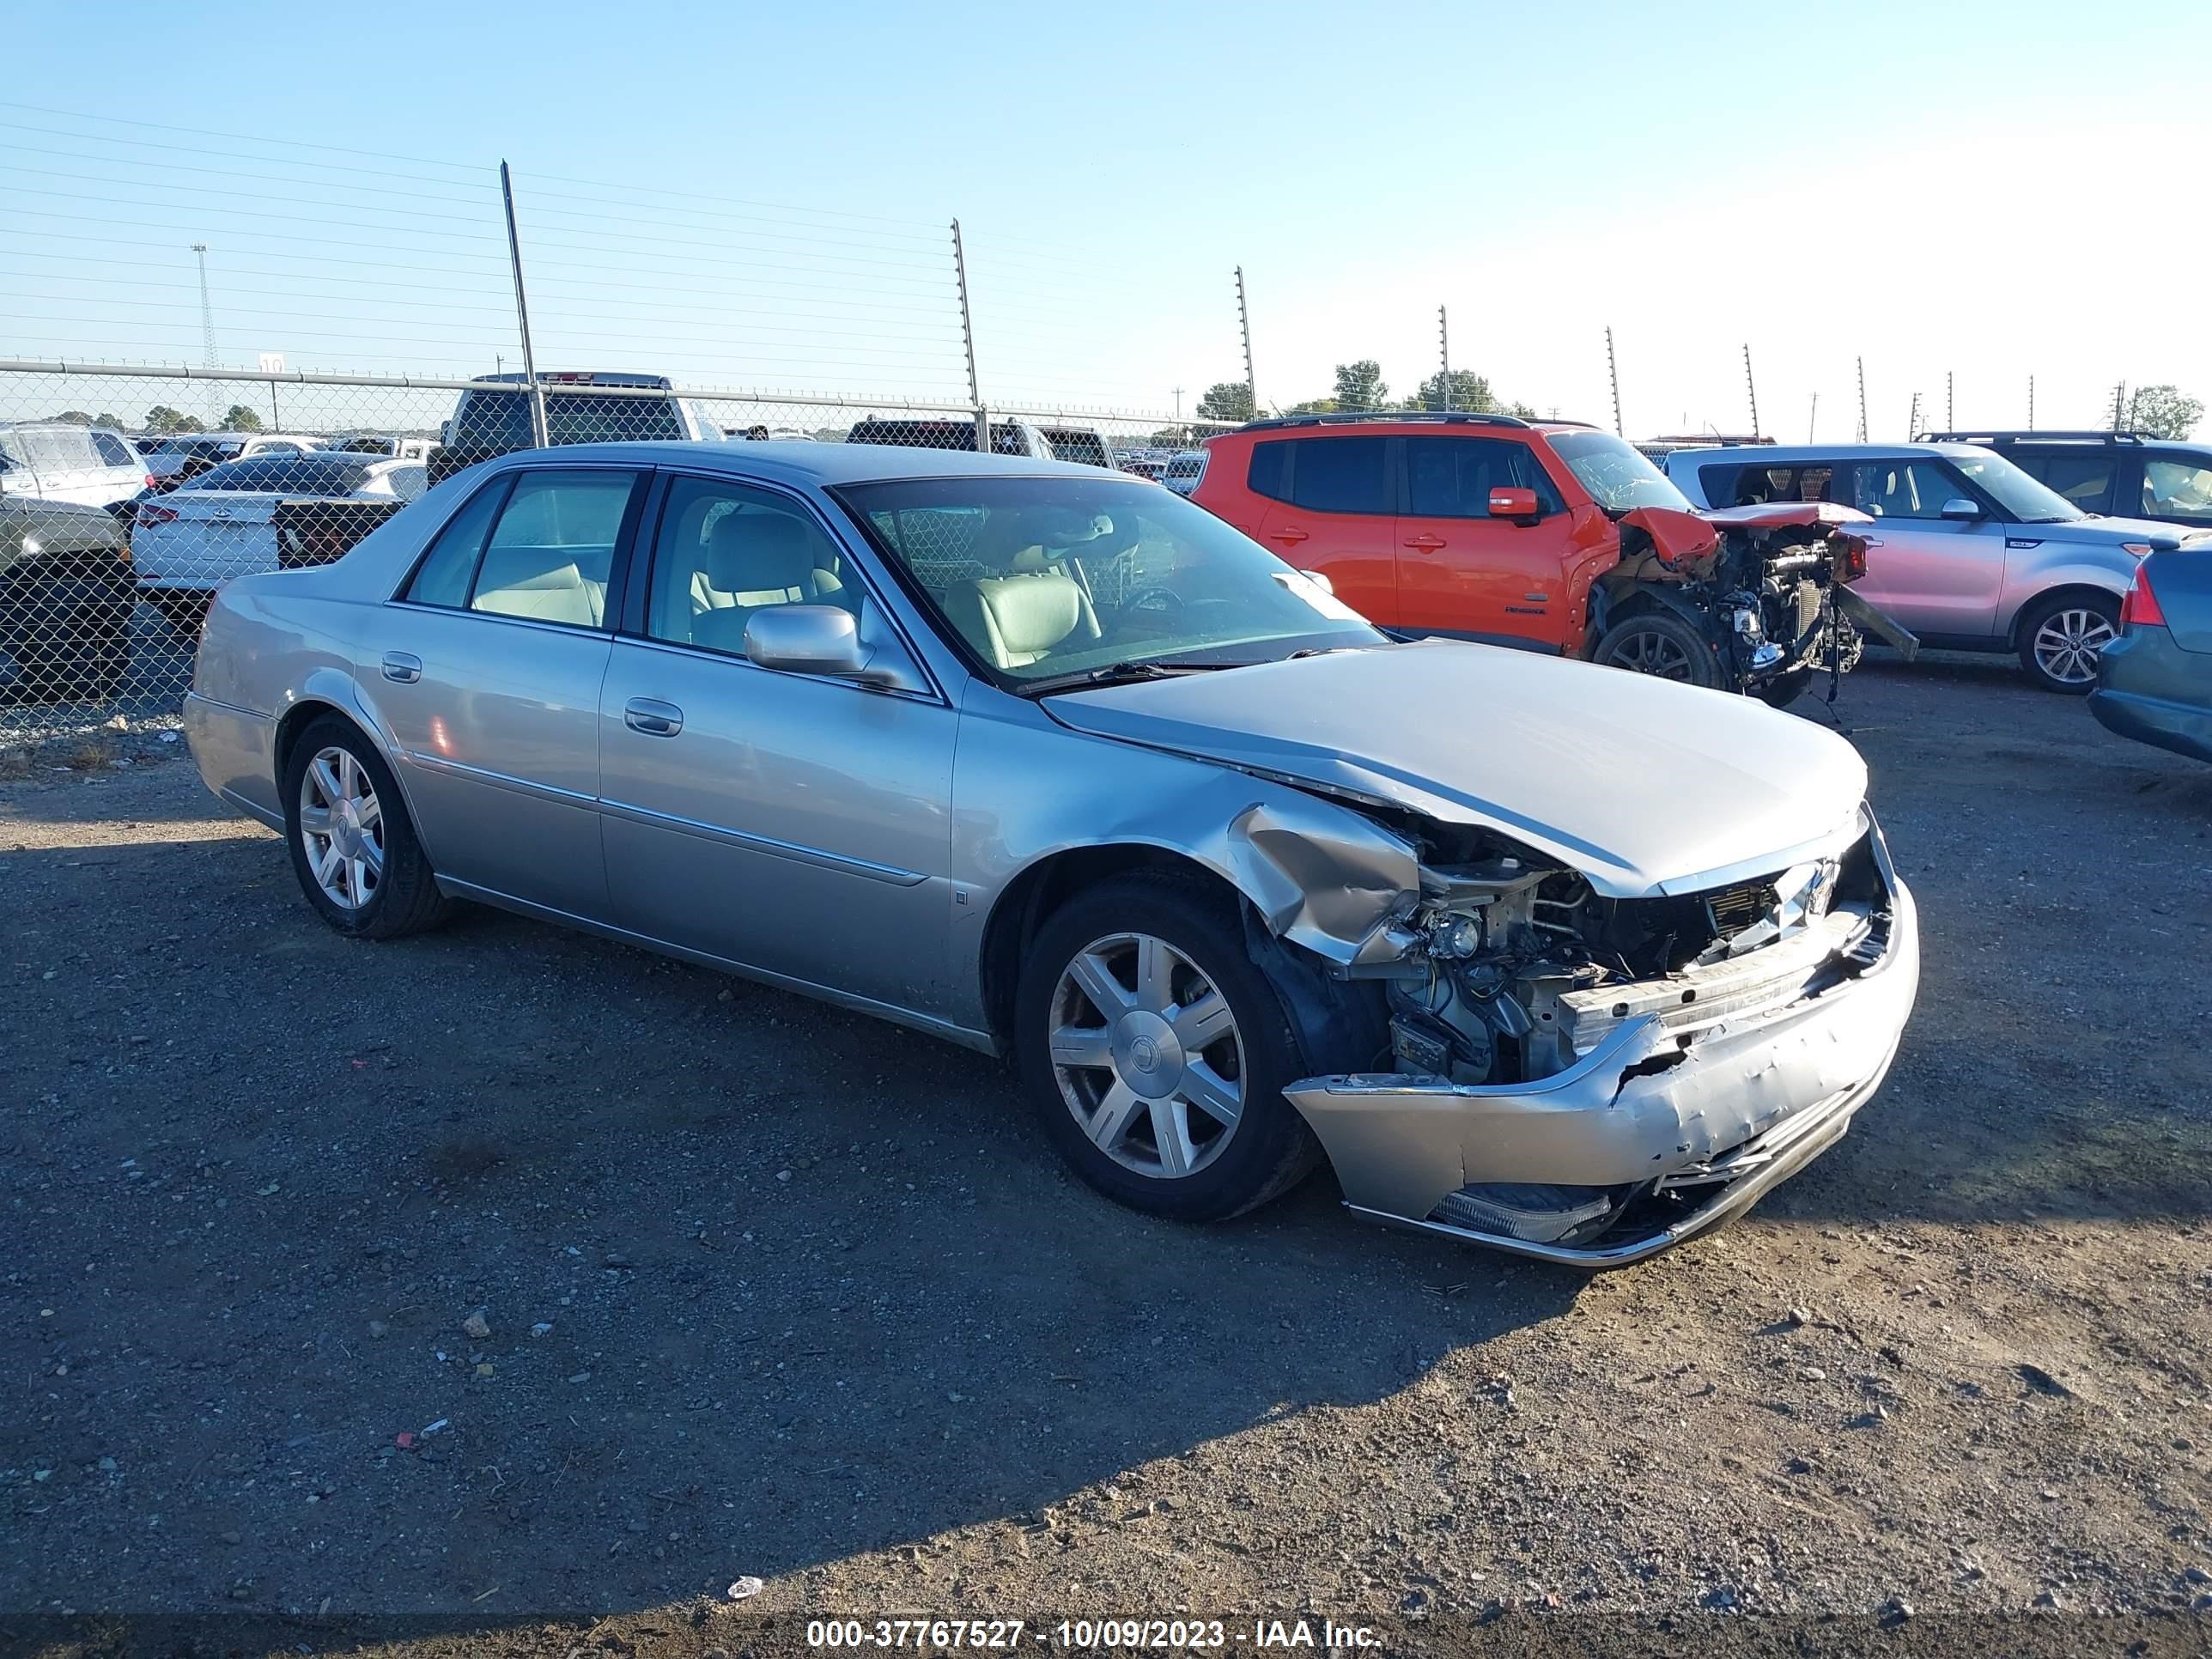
<point>1156,1052</point>
<point>353,846</point>
<point>2061,637</point>
<point>1659,643</point>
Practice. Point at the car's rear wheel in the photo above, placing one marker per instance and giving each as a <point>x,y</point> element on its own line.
<point>70,637</point>
<point>2061,637</point>
<point>354,847</point>
<point>1156,1052</point>
<point>1660,644</point>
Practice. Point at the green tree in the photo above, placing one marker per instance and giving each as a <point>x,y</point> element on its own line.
<point>105,419</point>
<point>75,417</point>
<point>239,418</point>
<point>1313,406</point>
<point>1359,386</point>
<point>1469,391</point>
<point>1227,400</point>
<point>2162,411</point>
<point>162,418</point>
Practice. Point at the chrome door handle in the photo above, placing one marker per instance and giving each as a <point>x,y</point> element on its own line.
<point>652,717</point>
<point>401,667</point>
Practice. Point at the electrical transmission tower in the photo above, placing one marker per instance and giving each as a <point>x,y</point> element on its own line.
<point>207,321</point>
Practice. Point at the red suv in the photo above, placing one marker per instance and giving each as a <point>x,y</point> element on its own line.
<point>1550,534</point>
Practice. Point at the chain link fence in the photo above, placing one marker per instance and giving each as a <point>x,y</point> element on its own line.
<point>129,497</point>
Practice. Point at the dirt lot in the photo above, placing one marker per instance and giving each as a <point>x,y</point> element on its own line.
<point>769,1289</point>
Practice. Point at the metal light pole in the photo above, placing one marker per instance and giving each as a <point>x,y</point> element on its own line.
<point>1244,323</point>
<point>968,339</point>
<point>1813,421</point>
<point>539,437</point>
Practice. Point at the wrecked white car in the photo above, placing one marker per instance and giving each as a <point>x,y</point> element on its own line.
<point>1536,954</point>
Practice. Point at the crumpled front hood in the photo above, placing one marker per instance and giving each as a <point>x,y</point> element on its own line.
<point>1643,785</point>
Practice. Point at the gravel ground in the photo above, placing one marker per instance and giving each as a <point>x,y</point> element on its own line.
<point>694,1279</point>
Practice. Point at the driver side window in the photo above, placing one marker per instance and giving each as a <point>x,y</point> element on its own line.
<point>724,552</point>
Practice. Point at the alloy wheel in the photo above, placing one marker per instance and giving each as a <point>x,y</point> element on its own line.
<point>2069,641</point>
<point>1650,652</point>
<point>1145,1051</point>
<point>342,828</point>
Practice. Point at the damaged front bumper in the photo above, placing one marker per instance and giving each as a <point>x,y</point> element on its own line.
<point>1674,1120</point>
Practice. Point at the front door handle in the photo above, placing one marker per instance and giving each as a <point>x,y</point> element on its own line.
<point>401,667</point>
<point>652,717</point>
<point>1289,532</point>
<point>1424,543</point>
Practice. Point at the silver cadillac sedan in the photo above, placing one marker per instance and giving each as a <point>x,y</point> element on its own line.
<point>1052,763</point>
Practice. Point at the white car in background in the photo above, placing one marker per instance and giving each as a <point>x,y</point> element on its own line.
<point>175,462</point>
<point>224,523</point>
<point>61,461</point>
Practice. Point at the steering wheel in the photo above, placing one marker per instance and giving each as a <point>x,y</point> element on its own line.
<point>1162,601</point>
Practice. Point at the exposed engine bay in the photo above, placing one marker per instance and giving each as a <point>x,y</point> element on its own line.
<point>1768,585</point>
<point>1515,967</point>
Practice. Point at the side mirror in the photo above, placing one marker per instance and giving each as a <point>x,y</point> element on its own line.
<point>1319,579</point>
<point>1510,502</point>
<point>824,640</point>
<point>806,638</point>
<point>1959,508</point>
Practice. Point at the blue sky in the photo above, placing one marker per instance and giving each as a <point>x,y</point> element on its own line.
<point>746,195</point>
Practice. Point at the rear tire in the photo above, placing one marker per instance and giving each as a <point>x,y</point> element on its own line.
<point>183,608</point>
<point>1201,1024</point>
<point>353,848</point>
<point>1660,643</point>
<point>70,637</point>
<point>2061,637</point>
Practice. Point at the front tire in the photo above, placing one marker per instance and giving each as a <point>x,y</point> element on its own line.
<point>353,846</point>
<point>1156,1053</point>
<point>2061,637</point>
<point>1662,645</point>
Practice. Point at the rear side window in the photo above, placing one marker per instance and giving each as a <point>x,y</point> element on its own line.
<point>497,421</point>
<point>114,448</point>
<point>442,578</point>
<point>2086,480</point>
<point>1452,478</point>
<point>1270,473</point>
<point>553,549</point>
<point>49,449</point>
<point>1753,485</point>
<point>1339,475</point>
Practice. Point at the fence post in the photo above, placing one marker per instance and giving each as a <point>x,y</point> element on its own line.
<point>1613,373</point>
<point>968,338</point>
<point>538,436</point>
<point>1444,347</point>
<point>1862,425</point>
<point>1244,323</point>
<point>1751,386</point>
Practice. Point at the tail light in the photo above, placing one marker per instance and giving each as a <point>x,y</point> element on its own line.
<point>150,516</point>
<point>2139,608</point>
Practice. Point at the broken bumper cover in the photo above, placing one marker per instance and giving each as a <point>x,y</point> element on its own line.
<point>1708,1128</point>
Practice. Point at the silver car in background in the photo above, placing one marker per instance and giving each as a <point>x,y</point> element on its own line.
<point>1971,554</point>
<point>61,461</point>
<point>1538,955</point>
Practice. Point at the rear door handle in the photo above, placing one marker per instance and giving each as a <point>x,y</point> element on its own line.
<point>1426,544</point>
<point>652,717</point>
<point>401,667</point>
<point>1289,532</point>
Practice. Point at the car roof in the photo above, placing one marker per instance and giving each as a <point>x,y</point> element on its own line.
<point>1786,454</point>
<point>800,462</point>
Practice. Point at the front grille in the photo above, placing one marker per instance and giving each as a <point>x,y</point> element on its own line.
<point>1734,909</point>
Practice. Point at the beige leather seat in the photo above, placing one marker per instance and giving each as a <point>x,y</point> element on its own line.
<point>1017,619</point>
<point>542,583</point>
<point>753,561</point>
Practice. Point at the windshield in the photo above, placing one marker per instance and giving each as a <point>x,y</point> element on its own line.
<point>1047,578</point>
<point>1616,476</point>
<point>2019,495</point>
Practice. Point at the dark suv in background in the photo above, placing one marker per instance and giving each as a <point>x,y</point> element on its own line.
<point>2128,475</point>
<point>493,416</point>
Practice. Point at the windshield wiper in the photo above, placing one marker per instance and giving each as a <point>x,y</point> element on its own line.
<point>1117,673</point>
